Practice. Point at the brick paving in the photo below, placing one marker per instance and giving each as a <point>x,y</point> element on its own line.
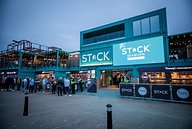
<point>82,111</point>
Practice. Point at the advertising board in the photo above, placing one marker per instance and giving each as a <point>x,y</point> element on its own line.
<point>142,90</point>
<point>96,57</point>
<point>144,51</point>
<point>161,92</point>
<point>126,89</point>
<point>182,93</point>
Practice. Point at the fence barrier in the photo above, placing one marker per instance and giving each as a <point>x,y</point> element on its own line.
<point>168,92</point>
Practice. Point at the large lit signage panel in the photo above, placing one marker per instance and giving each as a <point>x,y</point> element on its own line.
<point>139,52</point>
<point>96,57</point>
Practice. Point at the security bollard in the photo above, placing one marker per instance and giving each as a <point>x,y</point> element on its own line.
<point>25,112</point>
<point>109,116</point>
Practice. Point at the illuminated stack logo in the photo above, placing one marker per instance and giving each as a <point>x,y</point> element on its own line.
<point>101,56</point>
<point>96,57</point>
<point>139,52</point>
<point>135,53</point>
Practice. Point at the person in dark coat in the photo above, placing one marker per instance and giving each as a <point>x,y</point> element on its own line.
<point>80,84</point>
<point>19,82</point>
<point>54,84</point>
<point>73,85</point>
<point>9,83</point>
<point>59,86</point>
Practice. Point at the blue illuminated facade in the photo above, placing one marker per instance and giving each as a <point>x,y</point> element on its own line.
<point>124,38</point>
<point>137,47</point>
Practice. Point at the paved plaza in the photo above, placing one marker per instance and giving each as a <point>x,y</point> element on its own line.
<point>82,111</point>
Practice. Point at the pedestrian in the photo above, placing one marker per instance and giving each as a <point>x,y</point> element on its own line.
<point>19,82</point>
<point>73,85</point>
<point>14,83</point>
<point>31,85</point>
<point>66,85</point>
<point>48,87</point>
<point>44,84</point>
<point>28,81</point>
<point>25,85</point>
<point>40,88</point>
<point>1,83</point>
<point>36,87</point>
<point>9,83</point>
<point>59,86</point>
<point>54,84</point>
<point>64,89</point>
<point>80,84</point>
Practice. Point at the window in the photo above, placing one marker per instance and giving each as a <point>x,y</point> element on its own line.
<point>145,26</point>
<point>104,34</point>
<point>155,24</point>
<point>136,28</point>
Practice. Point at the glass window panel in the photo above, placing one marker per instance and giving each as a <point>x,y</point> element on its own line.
<point>110,36</point>
<point>95,39</point>
<point>136,28</point>
<point>100,38</point>
<point>105,37</point>
<point>145,26</point>
<point>155,26</point>
<point>122,33</point>
<point>115,35</point>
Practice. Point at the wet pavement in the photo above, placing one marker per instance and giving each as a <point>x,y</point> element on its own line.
<point>88,111</point>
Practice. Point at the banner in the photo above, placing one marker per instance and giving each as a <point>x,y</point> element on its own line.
<point>146,51</point>
<point>142,90</point>
<point>182,93</point>
<point>96,57</point>
<point>126,89</point>
<point>161,92</point>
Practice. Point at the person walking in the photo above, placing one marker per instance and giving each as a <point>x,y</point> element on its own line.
<point>59,86</point>
<point>66,85</point>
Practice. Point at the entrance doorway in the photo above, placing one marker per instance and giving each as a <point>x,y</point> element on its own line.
<point>112,78</point>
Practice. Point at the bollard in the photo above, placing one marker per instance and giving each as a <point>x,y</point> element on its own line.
<point>109,116</point>
<point>25,112</point>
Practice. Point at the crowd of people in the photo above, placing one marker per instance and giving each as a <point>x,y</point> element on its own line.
<point>60,86</point>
